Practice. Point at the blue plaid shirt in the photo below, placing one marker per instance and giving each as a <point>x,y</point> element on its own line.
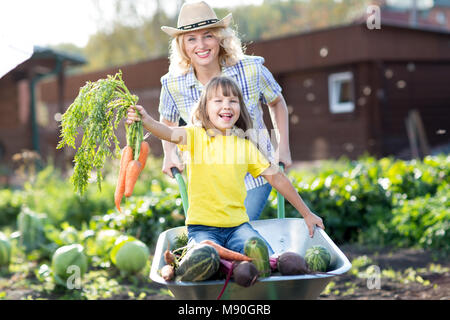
<point>180,94</point>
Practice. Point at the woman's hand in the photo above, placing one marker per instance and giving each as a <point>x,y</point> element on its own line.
<point>172,160</point>
<point>280,120</point>
<point>311,221</point>
<point>285,158</point>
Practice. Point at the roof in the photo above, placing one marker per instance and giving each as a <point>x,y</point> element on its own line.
<point>350,44</point>
<point>20,58</point>
<point>43,52</point>
<point>14,52</point>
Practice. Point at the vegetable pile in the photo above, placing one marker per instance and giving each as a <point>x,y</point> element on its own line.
<point>97,112</point>
<point>208,260</point>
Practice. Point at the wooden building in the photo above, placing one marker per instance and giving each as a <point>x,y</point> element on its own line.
<point>25,122</point>
<point>349,89</point>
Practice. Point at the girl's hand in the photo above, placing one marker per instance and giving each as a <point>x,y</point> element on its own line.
<point>133,116</point>
<point>313,220</point>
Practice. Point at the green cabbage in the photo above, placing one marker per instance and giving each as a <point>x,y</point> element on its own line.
<point>67,261</point>
<point>129,254</point>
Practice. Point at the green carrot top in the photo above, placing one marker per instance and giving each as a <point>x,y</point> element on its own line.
<point>97,111</point>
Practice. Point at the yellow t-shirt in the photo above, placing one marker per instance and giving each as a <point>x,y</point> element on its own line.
<point>216,167</point>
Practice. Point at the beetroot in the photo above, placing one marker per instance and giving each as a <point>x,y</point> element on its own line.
<point>245,273</point>
<point>291,263</point>
<point>168,272</point>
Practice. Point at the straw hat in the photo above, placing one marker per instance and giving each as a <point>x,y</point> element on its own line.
<point>196,16</point>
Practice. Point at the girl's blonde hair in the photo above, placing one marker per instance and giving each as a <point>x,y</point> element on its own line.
<point>229,88</point>
<point>231,50</point>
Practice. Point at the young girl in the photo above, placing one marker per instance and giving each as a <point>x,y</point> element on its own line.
<point>202,47</point>
<point>218,160</point>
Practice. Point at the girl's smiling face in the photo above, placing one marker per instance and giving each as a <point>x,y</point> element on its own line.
<point>202,48</point>
<point>223,110</point>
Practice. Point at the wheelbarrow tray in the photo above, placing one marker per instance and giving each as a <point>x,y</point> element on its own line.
<point>288,234</point>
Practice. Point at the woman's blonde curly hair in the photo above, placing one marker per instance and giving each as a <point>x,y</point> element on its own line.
<point>231,50</point>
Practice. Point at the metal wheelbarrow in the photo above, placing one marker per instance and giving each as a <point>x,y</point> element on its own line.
<point>283,234</point>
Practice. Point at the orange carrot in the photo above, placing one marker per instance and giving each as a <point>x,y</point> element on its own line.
<point>145,150</point>
<point>127,156</point>
<point>133,170</point>
<point>227,254</point>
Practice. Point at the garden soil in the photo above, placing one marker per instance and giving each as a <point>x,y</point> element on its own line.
<point>407,274</point>
<point>429,283</point>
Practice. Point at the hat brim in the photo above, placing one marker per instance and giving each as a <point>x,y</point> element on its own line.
<point>173,32</point>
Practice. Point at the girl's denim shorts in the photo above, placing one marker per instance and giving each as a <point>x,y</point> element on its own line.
<point>232,238</point>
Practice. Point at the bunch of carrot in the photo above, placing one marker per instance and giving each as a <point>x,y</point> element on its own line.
<point>132,162</point>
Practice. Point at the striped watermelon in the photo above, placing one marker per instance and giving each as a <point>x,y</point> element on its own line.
<point>5,250</point>
<point>318,258</point>
<point>200,263</point>
<point>256,249</point>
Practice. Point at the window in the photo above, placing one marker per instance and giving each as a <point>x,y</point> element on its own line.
<point>441,18</point>
<point>340,92</point>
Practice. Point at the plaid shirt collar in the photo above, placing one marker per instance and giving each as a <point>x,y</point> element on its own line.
<point>191,80</point>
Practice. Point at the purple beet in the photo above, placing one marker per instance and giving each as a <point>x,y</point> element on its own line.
<point>245,273</point>
<point>291,263</point>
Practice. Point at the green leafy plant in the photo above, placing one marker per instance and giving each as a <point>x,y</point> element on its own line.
<point>97,111</point>
<point>363,200</point>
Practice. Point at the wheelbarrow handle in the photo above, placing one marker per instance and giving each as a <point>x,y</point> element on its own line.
<point>280,198</point>
<point>182,186</point>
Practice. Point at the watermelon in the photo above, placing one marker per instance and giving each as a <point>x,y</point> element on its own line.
<point>200,263</point>
<point>5,250</point>
<point>256,249</point>
<point>318,258</point>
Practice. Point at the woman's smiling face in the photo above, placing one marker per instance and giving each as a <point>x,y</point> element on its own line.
<point>223,111</point>
<point>202,48</point>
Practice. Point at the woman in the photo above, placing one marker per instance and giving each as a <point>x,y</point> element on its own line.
<point>201,48</point>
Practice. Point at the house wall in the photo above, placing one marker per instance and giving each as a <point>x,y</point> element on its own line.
<point>421,86</point>
<point>15,130</point>
<point>316,132</point>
